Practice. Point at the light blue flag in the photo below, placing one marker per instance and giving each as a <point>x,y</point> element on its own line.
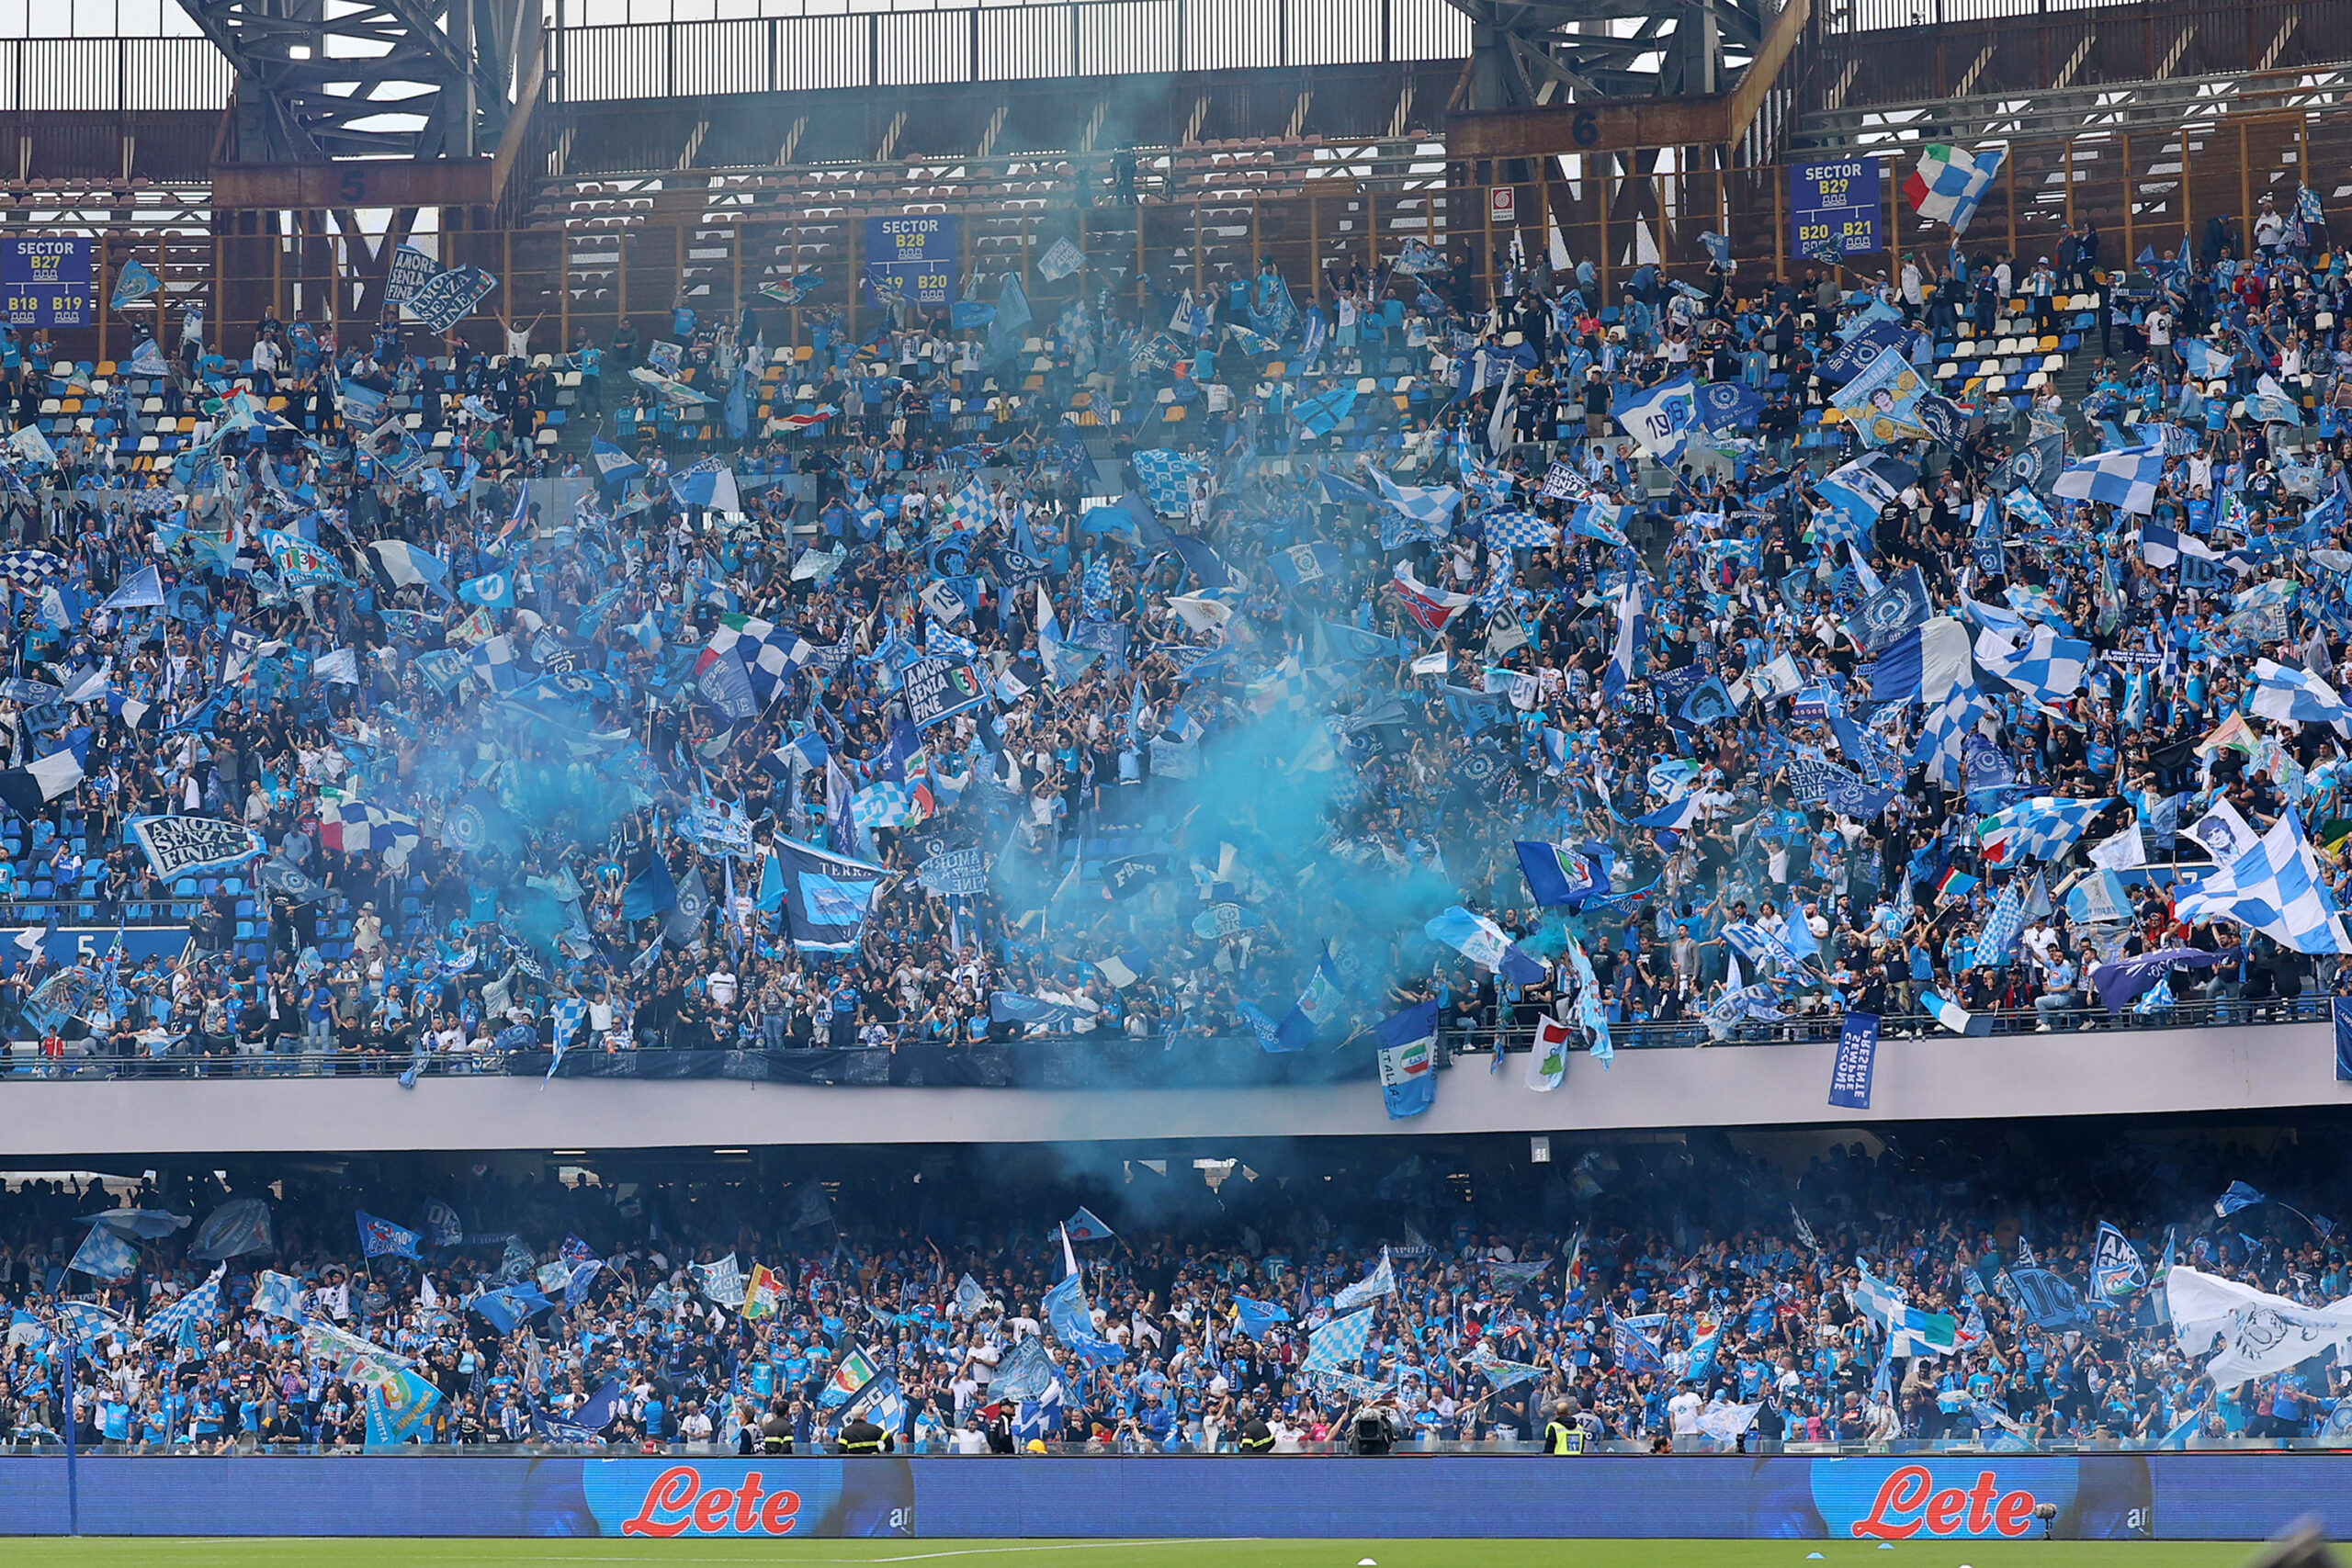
<point>142,590</point>
<point>1381,1281</point>
<point>492,591</point>
<point>1073,1322</point>
<point>400,1408</point>
<point>1255,1318</point>
<point>134,282</point>
<point>279,1295</point>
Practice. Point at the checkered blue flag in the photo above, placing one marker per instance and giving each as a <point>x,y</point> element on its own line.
<point>2041,829</point>
<point>2275,888</point>
<point>1429,506</point>
<point>2048,668</point>
<point>1999,937</point>
<point>2125,479</point>
<point>1165,478</point>
<point>88,1322</point>
<point>1337,1344</point>
<point>201,1304</point>
<point>1941,733</point>
<point>1517,530</point>
<point>941,643</point>
<point>2290,695</point>
<point>972,509</point>
<point>1498,590</point>
<point>1949,182</point>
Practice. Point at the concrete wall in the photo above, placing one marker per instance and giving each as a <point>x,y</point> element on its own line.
<point>1942,1077</point>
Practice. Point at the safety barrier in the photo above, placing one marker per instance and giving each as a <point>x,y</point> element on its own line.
<point>2111,1496</point>
<point>1104,1060</point>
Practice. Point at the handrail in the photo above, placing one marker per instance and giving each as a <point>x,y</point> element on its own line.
<point>872,1066</point>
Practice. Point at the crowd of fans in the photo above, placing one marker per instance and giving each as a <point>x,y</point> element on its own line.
<point>1700,1294</point>
<point>1289,611</point>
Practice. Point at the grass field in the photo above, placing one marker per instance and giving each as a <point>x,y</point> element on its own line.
<point>1239,1553</point>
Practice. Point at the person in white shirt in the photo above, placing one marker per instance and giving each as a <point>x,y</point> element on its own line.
<point>1682,1411</point>
<point>2159,328</point>
<point>518,339</point>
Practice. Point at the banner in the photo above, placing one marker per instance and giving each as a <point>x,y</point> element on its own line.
<point>411,270</point>
<point>1882,402</point>
<point>448,297</point>
<point>180,846</point>
<point>1850,1077</point>
<point>962,872</point>
<point>826,895</point>
<point>938,689</point>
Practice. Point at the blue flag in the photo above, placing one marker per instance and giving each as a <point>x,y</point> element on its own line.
<point>382,1238</point>
<point>1407,1042</point>
<point>2239,1196</point>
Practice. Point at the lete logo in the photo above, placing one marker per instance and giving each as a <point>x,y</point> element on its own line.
<point>1908,1503</point>
<point>677,1501</point>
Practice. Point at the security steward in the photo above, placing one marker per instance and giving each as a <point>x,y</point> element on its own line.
<point>775,1431</point>
<point>1257,1438</point>
<point>1560,1433</point>
<point>863,1436</point>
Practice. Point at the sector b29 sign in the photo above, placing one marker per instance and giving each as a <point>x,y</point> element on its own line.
<point>1834,208</point>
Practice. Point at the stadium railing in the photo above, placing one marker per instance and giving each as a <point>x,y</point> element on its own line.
<point>1102,1059</point>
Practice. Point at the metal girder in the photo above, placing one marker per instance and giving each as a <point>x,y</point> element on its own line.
<point>309,84</point>
<point>1525,54</point>
<point>1621,122</point>
<point>2166,103</point>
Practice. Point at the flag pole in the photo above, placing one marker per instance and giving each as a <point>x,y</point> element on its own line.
<point>72,1453</point>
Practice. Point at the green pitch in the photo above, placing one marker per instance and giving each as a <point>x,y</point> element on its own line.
<point>1157,1554</point>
